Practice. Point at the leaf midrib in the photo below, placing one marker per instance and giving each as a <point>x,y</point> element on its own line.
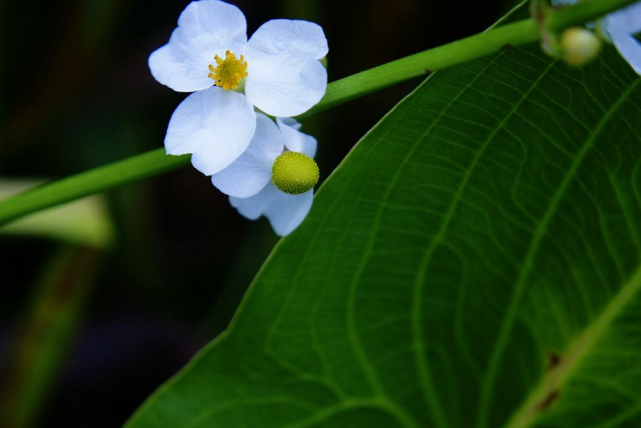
<point>528,412</point>
<point>575,353</point>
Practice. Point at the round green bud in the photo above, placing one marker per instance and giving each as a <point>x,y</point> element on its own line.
<point>294,173</point>
<point>579,46</point>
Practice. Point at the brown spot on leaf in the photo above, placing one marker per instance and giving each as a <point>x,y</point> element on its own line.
<point>551,398</point>
<point>554,360</point>
<point>506,47</point>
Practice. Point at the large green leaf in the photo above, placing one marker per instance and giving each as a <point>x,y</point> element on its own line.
<point>474,262</point>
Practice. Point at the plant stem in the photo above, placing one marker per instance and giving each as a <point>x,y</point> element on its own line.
<point>423,63</point>
<point>156,162</point>
<point>584,11</point>
<point>89,182</point>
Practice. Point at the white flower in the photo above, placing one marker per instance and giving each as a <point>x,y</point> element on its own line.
<point>620,28</point>
<point>278,69</point>
<point>249,181</point>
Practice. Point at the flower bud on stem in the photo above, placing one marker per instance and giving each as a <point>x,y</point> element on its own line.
<point>579,46</point>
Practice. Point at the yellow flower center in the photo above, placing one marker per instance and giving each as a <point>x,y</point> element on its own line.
<point>229,72</point>
<point>294,173</point>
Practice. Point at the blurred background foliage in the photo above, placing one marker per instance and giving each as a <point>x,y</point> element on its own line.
<point>89,329</point>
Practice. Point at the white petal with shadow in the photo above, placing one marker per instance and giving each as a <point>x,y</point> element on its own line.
<point>214,125</point>
<point>297,141</point>
<point>251,172</point>
<point>300,38</point>
<point>284,212</point>
<point>626,20</point>
<point>629,48</point>
<point>283,84</point>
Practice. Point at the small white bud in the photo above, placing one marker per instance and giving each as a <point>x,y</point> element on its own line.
<point>579,46</point>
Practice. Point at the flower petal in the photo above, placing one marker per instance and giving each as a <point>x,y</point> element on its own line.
<point>179,69</point>
<point>206,28</point>
<point>290,121</point>
<point>300,38</point>
<point>283,84</point>
<point>215,125</point>
<point>295,140</point>
<point>255,206</point>
<point>558,3</point>
<point>213,20</point>
<point>626,20</point>
<point>285,212</point>
<point>629,48</point>
<point>248,174</point>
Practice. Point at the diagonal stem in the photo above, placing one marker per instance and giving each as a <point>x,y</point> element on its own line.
<point>155,162</point>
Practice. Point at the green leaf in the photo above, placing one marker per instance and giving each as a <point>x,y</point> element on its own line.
<point>82,222</point>
<point>474,262</point>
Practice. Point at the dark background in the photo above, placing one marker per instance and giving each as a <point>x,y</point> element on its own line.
<point>77,94</point>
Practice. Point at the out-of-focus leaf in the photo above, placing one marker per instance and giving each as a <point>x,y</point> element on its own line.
<point>34,358</point>
<point>83,222</point>
<point>474,262</point>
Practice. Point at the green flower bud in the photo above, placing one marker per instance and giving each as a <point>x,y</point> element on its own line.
<point>294,173</point>
<point>579,46</point>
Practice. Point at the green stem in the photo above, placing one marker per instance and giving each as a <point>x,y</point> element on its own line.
<point>156,162</point>
<point>584,11</point>
<point>422,63</point>
<point>89,182</point>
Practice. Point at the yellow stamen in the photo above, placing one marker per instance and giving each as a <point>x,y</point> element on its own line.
<point>229,72</point>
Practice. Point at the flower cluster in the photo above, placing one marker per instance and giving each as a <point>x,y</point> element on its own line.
<point>620,28</point>
<point>277,72</point>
